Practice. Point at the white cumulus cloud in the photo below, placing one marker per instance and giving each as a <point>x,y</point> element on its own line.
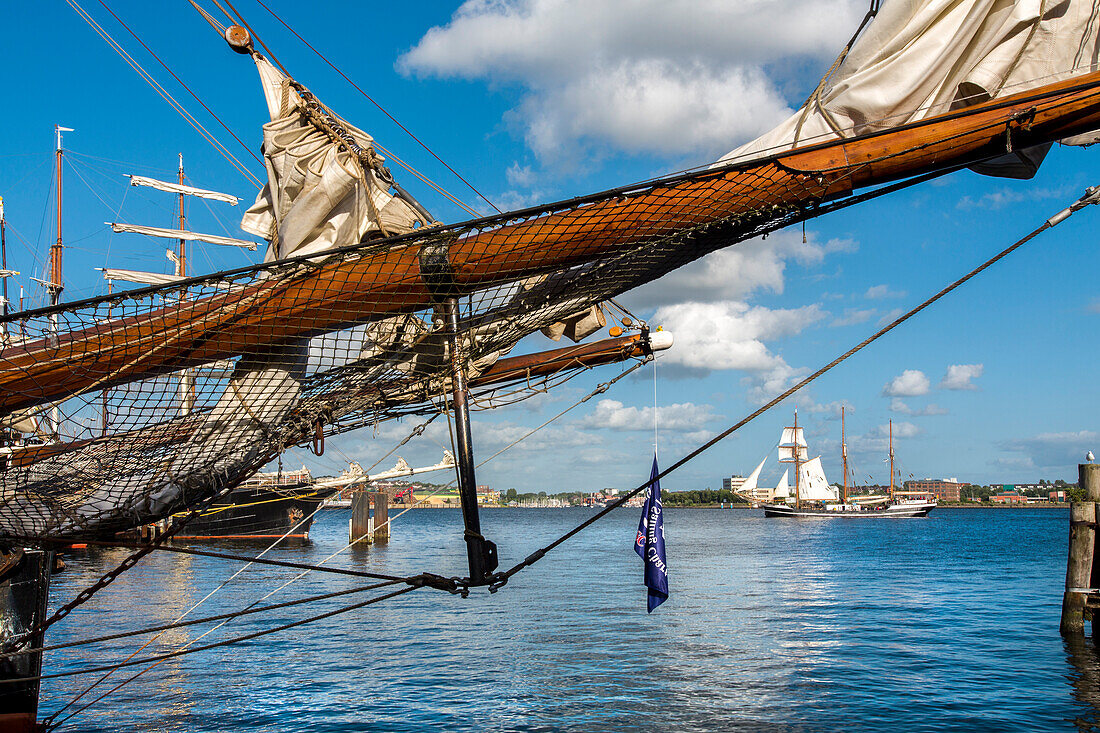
<point>910,383</point>
<point>853,316</point>
<point>648,76</point>
<point>736,272</point>
<point>878,292</point>
<point>1056,452</point>
<point>731,334</point>
<point>900,406</point>
<point>614,415</point>
<point>959,376</point>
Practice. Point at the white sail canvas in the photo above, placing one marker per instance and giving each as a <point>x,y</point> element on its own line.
<point>812,484</point>
<point>783,488</point>
<point>185,190</point>
<point>923,58</point>
<point>752,481</point>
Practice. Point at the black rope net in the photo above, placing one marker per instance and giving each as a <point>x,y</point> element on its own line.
<point>121,410</point>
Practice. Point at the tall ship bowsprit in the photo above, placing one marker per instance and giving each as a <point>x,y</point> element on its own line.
<point>367,309</point>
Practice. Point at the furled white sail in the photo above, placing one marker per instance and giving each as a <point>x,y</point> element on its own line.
<point>812,484</point>
<point>8,273</point>
<point>139,276</point>
<point>783,488</point>
<point>23,421</point>
<point>925,57</point>
<point>792,442</point>
<point>318,193</point>
<point>180,234</point>
<point>185,190</point>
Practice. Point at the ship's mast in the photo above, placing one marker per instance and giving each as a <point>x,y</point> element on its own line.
<point>181,262</point>
<point>797,452</point>
<point>187,377</point>
<point>4,273</point>
<point>56,285</point>
<point>844,457</point>
<point>3,257</point>
<point>891,459</point>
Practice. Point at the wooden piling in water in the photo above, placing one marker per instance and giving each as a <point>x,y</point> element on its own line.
<point>381,517</point>
<point>1080,566</point>
<point>361,530</point>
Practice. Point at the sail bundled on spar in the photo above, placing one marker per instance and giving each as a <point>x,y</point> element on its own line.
<point>177,234</point>
<point>927,57</point>
<point>179,188</point>
<point>326,185</point>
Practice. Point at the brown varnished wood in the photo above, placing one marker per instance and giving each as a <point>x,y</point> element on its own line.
<point>348,292</point>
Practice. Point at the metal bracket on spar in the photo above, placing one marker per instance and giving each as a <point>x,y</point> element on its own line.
<point>437,272</point>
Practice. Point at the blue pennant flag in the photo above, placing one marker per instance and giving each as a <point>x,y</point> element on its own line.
<point>650,542</point>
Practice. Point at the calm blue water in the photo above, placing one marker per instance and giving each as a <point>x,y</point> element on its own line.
<point>945,623</point>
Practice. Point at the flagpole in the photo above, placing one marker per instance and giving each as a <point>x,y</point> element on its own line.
<point>654,407</point>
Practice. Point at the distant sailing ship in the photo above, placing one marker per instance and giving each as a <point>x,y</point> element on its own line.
<point>815,497</point>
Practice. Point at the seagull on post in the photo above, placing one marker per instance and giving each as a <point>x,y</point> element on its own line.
<point>1090,457</point>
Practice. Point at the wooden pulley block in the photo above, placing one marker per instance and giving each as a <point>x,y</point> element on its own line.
<point>239,39</point>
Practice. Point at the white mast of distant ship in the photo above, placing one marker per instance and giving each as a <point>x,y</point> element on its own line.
<point>181,235</point>
<point>178,257</point>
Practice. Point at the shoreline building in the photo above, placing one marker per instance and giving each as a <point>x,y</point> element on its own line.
<point>943,489</point>
<point>733,483</point>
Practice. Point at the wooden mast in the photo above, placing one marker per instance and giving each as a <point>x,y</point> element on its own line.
<point>186,376</point>
<point>3,258</point>
<point>56,284</point>
<point>181,263</point>
<point>844,457</point>
<point>891,459</point>
<point>797,452</point>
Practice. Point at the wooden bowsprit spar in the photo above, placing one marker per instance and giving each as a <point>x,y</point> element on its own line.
<point>306,296</point>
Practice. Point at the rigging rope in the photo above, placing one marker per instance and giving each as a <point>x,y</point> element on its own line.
<point>188,117</point>
<point>182,84</point>
<point>1090,197</point>
<point>379,106</point>
<point>258,560</point>
<point>109,577</point>
<point>205,620</point>
<point>225,642</point>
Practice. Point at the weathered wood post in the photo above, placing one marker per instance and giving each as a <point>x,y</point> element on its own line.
<point>381,517</point>
<point>360,530</point>
<point>1082,549</point>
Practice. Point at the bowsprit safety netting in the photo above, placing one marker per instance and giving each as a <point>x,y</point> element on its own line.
<point>150,401</point>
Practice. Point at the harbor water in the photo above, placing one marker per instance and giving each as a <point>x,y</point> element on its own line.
<point>943,623</point>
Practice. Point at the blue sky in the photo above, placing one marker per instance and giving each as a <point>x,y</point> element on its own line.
<point>535,101</point>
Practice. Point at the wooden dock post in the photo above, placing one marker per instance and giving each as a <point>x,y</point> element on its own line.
<point>361,530</point>
<point>1082,550</point>
<point>381,525</point>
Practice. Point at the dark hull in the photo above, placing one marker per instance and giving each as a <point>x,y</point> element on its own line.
<point>257,512</point>
<point>24,585</point>
<point>897,511</point>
